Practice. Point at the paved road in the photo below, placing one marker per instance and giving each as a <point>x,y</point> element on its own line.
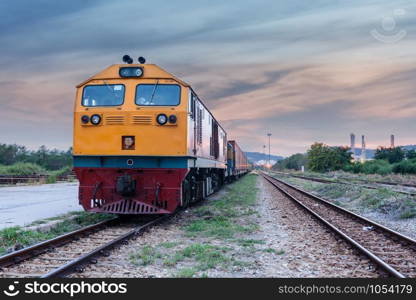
<point>21,205</point>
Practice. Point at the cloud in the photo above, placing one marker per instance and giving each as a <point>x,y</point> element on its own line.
<point>304,70</point>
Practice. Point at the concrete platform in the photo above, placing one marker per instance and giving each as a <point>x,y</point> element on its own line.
<point>22,205</point>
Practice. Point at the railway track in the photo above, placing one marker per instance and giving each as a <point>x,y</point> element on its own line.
<point>365,184</point>
<point>71,252</point>
<point>390,250</point>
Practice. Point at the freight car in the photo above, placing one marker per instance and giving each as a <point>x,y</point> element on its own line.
<point>237,163</point>
<point>144,142</point>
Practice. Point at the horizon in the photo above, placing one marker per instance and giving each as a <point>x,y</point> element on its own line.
<point>305,72</point>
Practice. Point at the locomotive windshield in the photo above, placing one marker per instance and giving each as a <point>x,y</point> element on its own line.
<point>103,95</point>
<point>158,94</point>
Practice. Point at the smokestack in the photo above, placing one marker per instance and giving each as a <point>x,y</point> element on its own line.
<point>363,149</point>
<point>392,141</point>
<point>353,145</point>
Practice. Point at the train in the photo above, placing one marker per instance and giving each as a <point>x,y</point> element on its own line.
<point>145,143</point>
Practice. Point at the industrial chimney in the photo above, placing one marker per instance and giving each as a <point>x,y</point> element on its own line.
<point>392,141</point>
<point>353,145</point>
<point>363,149</point>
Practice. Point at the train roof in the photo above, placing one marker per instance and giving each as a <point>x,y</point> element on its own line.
<point>149,71</point>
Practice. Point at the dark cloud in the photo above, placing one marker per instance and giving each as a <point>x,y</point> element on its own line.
<point>237,87</point>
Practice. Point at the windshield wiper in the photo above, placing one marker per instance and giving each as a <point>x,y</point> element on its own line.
<point>154,90</point>
<point>111,90</point>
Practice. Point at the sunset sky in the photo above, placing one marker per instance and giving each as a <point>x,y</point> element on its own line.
<point>304,70</point>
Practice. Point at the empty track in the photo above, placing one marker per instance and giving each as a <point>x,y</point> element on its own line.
<point>390,250</point>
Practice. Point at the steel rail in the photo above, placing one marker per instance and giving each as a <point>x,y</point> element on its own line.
<point>45,246</point>
<point>79,263</point>
<point>357,245</point>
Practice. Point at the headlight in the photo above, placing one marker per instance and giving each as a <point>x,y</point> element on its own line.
<point>95,119</point>
<point>130,72</point>
<point>172,119</point>
<point>162,119</point>
<point>85,119</point>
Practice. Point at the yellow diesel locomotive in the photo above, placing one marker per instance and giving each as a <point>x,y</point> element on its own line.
<point>144,143</point>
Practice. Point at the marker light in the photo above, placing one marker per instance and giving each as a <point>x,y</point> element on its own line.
<point>95,119</point>
<point>162,119</point>
<point>131,72</point>
<point>85,119</point>
<point>172,119</point>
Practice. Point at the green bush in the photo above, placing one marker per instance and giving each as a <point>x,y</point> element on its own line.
<point>405,167</point>
<point>378,166</point>
<point>381,167</point>
<point>54,175</point>
<point>354,168</point>
<point>22,169</point>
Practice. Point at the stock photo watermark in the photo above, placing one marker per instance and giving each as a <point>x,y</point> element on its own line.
<point>388,32</point>
<point>62,288</point>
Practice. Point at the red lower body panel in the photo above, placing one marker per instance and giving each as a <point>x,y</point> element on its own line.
<point>155,191</point>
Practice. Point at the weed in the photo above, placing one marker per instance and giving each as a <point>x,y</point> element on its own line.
<point>407,209</point>
<point>206,256</point>
<point>168,245</point>
<point>249,242</point>
<point>13,237</point>
<point>145,256</point>
<point>17,237</point>
<point>186,273</point>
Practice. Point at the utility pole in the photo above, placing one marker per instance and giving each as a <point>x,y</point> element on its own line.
<point>269,135</point>
<point>264,155</point>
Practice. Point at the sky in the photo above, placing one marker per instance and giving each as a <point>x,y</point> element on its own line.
<point>305,71</point>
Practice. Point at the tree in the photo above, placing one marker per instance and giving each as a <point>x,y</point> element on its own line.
<point>392,155</point>
<point>10,154</point>
<point>322,158</point>
<point>293,162</point>
<point>48,159</point>
<point>410,154</point>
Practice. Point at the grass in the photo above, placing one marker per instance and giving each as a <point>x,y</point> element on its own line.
<point>408,209</point>
<point>375,199</point>
<point>169,245</point>
<point>249,242</point>
<point>147,255</point>
<point>216,218</point>
<point>186,273</point>
<point>202,257</point>
<point>218,226</point>
<point>205,256</point>
<point>17,237</point>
